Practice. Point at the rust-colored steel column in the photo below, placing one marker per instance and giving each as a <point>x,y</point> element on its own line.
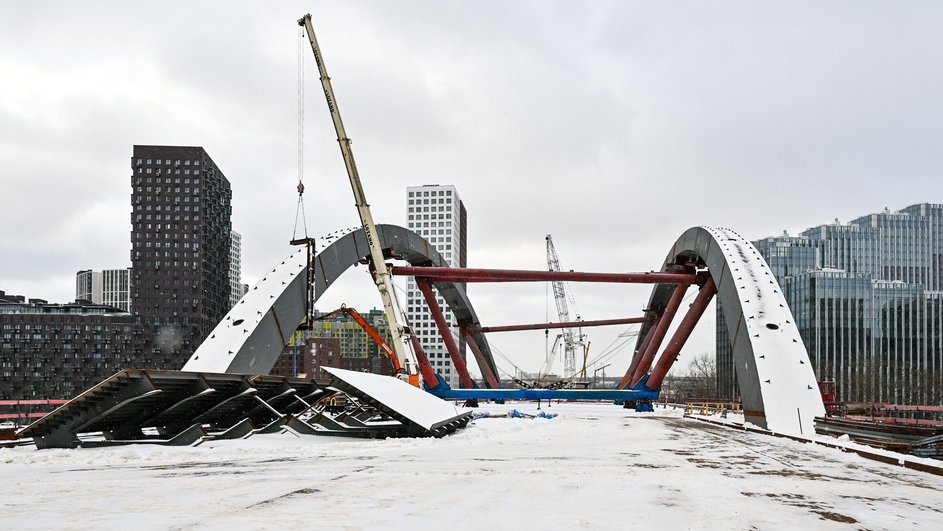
<point>425,368</point>
<point>454,274</point>
<point>482,364</point>
<point>569,324</point>
<point>691,318</point>
<point>446,334</point>
<point>637,358</point>
<point>660,330</point>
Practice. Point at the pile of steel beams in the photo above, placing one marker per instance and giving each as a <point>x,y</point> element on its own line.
<point>895,437</point>
<point>186,408</point>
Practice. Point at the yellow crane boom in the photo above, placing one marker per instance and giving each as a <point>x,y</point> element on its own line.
<point>381,275</point>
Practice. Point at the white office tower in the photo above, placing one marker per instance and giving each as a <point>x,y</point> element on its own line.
<point>235,268</point>
<point>436,213</point>
<point>111,287</point>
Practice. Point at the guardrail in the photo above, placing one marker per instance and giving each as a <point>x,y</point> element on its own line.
<point>712,408</point>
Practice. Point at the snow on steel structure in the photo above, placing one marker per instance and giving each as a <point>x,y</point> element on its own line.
<point>776,379</point>
<point>251,336</point>
<point>777,384</point>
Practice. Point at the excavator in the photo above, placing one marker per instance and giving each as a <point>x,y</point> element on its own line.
<point>388,351</point>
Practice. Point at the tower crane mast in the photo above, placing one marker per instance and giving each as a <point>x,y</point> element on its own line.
<point>563,312</point>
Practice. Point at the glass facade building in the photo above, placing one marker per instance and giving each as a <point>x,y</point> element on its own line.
<point>866,297</point>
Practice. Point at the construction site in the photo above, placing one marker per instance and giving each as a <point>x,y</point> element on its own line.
<point>262,433</point>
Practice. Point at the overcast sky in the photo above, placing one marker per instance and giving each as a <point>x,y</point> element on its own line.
<point>613,126</point>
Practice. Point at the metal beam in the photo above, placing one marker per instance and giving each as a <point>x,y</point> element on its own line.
<point>445,274</point>
<point>483,366</point>
<point>571,324</point>
<point>446,333</point>
<point>673,303</point>
<point>618,395</point>
<point>681,335</point>
<point>425,368</point>
<point>637,358</point>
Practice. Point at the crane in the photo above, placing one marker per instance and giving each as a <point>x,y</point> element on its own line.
<point>376,337</point>
<point>381,274</point>
<point>570,340</point>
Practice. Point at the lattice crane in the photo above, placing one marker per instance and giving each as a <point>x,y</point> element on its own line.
<point>570,340</point>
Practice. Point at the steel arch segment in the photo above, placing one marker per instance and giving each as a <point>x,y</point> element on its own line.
<point>403,244</point>
<point>777,384</point>
<point>252,335</point>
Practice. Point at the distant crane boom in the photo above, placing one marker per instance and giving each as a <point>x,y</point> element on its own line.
<point>563,312</point>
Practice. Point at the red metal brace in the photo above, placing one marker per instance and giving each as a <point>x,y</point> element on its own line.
<point>681,335</point>
<point>450,345</point>
<point>660,330</point>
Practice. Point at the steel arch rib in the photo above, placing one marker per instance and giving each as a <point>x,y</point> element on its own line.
<point>251,336</point>
<point>777,384</point>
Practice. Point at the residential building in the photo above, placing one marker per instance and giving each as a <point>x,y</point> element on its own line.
<point>336,341</point>
<point>866,297</point>
<point>111,287</point>
<point>59,350</point>
<point>436,213</point>
<point>235,268</point>
<point>177,289</point>
<point>181,242</point>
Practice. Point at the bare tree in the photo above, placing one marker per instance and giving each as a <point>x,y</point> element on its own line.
<point>702,375</point>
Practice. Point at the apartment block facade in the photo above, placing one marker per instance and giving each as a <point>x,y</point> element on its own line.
<point>236,289</point>
<point>181,239</point>
<point>59,350</point>
<point>337,341</point>
<point>111,287</point>
<point>151,316</point>
<point>436,213</point>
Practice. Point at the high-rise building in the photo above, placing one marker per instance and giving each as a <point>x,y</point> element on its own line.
<point>88,286</point>
<point>436,213</point>
<point>181,240</point>
<point>111,287</point>
<point>235,268</point>
<point>867,300</point>
<point>177,289</point>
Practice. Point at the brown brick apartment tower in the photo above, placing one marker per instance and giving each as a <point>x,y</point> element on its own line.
<point>180,245</point>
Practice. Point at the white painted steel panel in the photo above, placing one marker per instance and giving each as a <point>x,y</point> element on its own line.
<point>411,402</point>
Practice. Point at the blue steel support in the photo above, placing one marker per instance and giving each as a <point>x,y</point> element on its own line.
<point>614,395</point>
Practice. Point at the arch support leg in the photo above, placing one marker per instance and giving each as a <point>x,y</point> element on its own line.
<point>682,334</point>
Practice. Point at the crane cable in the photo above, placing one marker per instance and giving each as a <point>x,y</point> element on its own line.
<point>300,209</point>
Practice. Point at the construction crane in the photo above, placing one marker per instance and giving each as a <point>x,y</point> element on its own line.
<point>376,337</point>
<point>380,273</point>
<point>570,340</point>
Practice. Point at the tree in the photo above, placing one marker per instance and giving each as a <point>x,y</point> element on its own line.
<point>702,374</point>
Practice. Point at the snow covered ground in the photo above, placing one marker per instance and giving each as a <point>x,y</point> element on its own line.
<point>594,466</point>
